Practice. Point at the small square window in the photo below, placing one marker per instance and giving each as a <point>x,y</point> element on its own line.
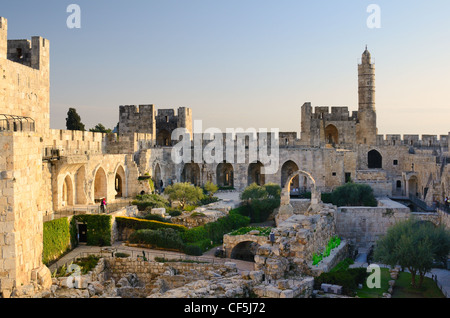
<point>334,174</point>
<point>395,162</point>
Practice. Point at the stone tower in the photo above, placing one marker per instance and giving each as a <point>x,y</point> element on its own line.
<point>3,37</point>
<point>366,129</point>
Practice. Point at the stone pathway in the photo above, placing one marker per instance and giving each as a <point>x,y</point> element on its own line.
<point>84,250</point>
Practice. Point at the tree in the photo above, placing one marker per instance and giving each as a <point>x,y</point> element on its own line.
<point>260,201</point>
<point>73,120</point>
<point>211,188</point>
<point>185,193</point>
<point>101,129</point>
<point>413,245</point>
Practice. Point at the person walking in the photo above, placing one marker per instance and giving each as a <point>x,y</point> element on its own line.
<point>103,205</point>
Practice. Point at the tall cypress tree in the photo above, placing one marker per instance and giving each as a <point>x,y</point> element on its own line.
<point>73,120</point>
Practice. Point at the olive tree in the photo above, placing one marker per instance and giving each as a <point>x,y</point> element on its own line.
<point>185,193</point>
<point>413,245</point>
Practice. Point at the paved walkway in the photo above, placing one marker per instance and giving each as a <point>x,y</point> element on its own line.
<point>84,251</point>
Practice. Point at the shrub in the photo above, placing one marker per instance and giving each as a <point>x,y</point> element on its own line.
<point>214,231</point>
<point>150,201</point>
<point>348,279</point>
<point>353,194</point>
<point>174,212</point>
<point>98,229</point>
<point>260,201</point>
<point>210,188</point>
<point>56,239</point>
<point>155,217</point>
<point>161,238</point>
<point>193,249</point>
<point>140,224</point>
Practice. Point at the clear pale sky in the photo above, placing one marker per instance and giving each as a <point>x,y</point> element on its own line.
<point>243,63</point>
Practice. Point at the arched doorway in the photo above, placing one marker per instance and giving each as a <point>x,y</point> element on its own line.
<point>413,188</point>
<point>67,192</point>
<point>119,183</point>
<point>157,177</point>
<point>191,174</point>
<point>245,251</point>
<point>225,175</point>
<point>254,174</point>
<point>374,160</point>
<point>331,135</point>
<point>287,190</point>
<point>288,169</point>
<point>100,185</point>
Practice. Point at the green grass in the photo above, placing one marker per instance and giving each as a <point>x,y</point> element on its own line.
<point>403,288</point>
<point>367,292</point>
<point>263,231</point>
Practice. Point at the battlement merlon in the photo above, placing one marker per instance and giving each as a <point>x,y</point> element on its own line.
<point>415,140</point>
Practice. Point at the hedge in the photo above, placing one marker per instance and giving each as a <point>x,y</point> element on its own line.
<point>202,236</point>
<point>98,229</point>
<point>161,238</point>
<point>56,239</point>
<point>141,224</point>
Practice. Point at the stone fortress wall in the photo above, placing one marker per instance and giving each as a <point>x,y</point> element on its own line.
<point>45,170</point>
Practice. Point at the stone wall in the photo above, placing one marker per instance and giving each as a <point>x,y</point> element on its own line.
<point>21,223</point>
<point>296,240</point>
<point>363,226</point>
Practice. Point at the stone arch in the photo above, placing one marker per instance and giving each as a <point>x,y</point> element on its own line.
<point>254,174</point>
<point>67,192</point>
<point>157,176</point>
<point>245,251</point>
<point>191,174</point>
<point>331,135</point>
<point>315,194</point>
<point>374,160</point>
<point>225,174</point>
<point>100,184</point>
<point>120,182</point>
<point>287,169</point>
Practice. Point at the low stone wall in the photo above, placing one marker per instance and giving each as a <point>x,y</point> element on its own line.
<point>444,218</point>
<point>337,255</point>
<point>363,226</point>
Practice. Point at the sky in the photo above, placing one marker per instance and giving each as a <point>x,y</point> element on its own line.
<point>243,63</point>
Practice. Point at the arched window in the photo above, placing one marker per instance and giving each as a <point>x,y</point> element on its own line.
<point>375,160</point>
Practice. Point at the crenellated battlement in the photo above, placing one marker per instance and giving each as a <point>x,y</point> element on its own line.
<point>414,140</point>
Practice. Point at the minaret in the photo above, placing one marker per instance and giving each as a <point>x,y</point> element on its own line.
<point>366,131</point>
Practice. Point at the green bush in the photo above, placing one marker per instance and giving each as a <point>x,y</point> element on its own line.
<point>141,224</point>
<point>353,194</point>
<point>56,239</point>
<point>98,228</point>
<point>214,231</point>
<point>348,279</point>
<point>260,201</point>
<point>150,201</point>
<point>161,238</point>
<point>193,249</point>
<point>156,217</point>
